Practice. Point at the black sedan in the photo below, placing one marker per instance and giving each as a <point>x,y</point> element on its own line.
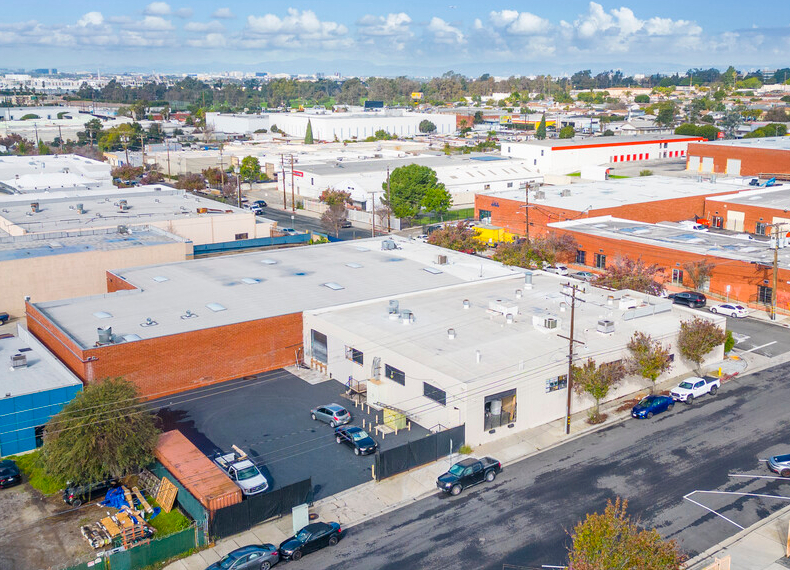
<point>9,473</point>
<point>313,537</point>
<point>651,405</point>
<point>252,557</point>
<point>357,438</point>
<point>260,203</point>
<point>691,298</point>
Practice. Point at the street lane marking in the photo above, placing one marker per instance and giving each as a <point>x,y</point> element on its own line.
<point>757,476</point>
<point>739,338</point>
<point>759,347</point>
<point>745,494</point>
<point>711,510</point>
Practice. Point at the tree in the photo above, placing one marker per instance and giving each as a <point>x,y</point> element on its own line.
<point>155,133</point>
<point>104,431</point>
<point>437,200</point>
<point>459,237</point>
<point>729,77</point>
<point>191,182</point>
<point>645,172</point>
<point>541,132</point>
<point>250,169</point>
<point>612,541</point>
<point>642,98</point>
<point>567,132</point>
<point>596,381</point>
<point>126,172</point>
<point>427,126</point>
<point>42,148</point>
<point>649,358</point>
<point>698,272</point>
<point>697,338</point>
<point>332,220</point>
<point>308,135</point>
<point>408,187</point>
<point>731,121</point>
<point>93,130</point>
<point>626,273</point>
<point>551,248</point>
<point>776,115</point>
<point>608,133</point>
<point>214,176</point>
<point>478,118</point>
<point>666,115</point>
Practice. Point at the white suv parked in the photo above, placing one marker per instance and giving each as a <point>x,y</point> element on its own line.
<point>694,387</point>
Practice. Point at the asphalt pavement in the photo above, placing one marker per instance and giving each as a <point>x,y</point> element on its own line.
<point>759,336</point>
<point>524,517</point>
<point>302,222</point>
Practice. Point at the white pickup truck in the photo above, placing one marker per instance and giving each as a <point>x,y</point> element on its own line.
<point>694,387</point>
<point>242,471</point>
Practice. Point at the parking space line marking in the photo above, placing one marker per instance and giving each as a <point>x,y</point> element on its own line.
<point>745,494</point>
<point>759,347</point>
<point>711,510</point>
<point>756,476</point>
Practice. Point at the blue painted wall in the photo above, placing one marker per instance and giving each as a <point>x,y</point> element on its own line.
<point>20,415</point>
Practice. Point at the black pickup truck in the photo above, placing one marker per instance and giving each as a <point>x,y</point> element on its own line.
<point>467,473</point>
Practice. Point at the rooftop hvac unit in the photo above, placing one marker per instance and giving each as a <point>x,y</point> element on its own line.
<point>123,205</point>
<point>18,360</point>
<point>441,259</point>
<point>503,306</point>
<point>105,335</point>
<point>540,194</point>
<point>388,245</point>
<point>565,192</point>
<point>394,309</point>
<point>605,326</point>
<point>406,317</point>
<point>80,209</point>
<point>34,207</point>
<point>550,323</point>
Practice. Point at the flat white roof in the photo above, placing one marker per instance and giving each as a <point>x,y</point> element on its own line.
<point>616,192</point>
<point>604,141</point>
<point>767,143</point>
<point>506,350</point>
<point>43,372</point>
<point>776,198</point>
<point>264,284</point>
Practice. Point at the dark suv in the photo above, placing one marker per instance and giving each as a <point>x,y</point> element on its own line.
<point>691,298</point>
<point>75,494</point>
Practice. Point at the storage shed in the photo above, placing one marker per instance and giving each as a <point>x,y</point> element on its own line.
<point>196,472</point>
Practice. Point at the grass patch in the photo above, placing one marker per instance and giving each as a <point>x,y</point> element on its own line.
<point>30,465</point>
<point>576,174</point>
<point>427,219</point>
<point>168,523</point>
<point>465,450</point>
<point>617,176</point>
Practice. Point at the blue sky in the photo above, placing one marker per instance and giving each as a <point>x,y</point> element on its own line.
<point>391,38</point>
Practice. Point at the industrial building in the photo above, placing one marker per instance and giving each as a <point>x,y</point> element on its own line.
<point>491,355</point>
<point>176,326</point>
<point>52,173</point>
<point>34,386</point>
<point>755,211</point>
<point>329,126</point>
<point>768,156</point>
<point>647,199</point>
<point>742,265</point>
<point>571,155</point>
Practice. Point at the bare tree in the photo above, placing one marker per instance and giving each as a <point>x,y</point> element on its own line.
<point>698,272</point>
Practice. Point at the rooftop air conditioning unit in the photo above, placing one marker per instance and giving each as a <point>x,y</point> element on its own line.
<point>540,194</point>
<point>605,326</point>
<point>123,230</point>
<point>550,323</point>
<point>80,209</point>
<point>123,205</point>
<point>388,245</point>
<point>18,360</point>
<point>441,260</point>
<point>565,192</point>
<point>406,317</point>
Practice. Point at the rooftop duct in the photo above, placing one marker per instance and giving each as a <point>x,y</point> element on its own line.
<point>105,335</point>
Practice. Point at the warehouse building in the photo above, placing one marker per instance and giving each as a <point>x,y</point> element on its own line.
<point>177,326</point>
<point>768,156</point>
<point>52,173</point>
<point>571,155</point>
<point>491,355</point>
<point>648,199</point>
<point>755,211</point>
<point>35,386</point>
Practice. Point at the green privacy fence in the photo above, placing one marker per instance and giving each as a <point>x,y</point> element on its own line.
<point>186,500</point>
<point>146,553</point>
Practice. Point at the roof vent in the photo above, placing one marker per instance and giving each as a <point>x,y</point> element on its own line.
<point>605,326</point>
<point>18,360</point>
<point>540,195</point>
<point>80,209</point>
<point>123,205</point>
<point>451,334</point>
<point>528,280</point>
<point>565,192</point>
<point>441,260</point>
<point>394,310</point>
<point>509,318</point>
<point>105,335</point>
<point>149,322</point>
<point>467,304</point>
<point>188,315</point>
<point>518,293</point>
<point>478,356</point>
<point>34,207</point>
<point>123,230</point>
<point>406,317</point>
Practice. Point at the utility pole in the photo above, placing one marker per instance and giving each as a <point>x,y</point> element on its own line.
<point>389,203</point>
<point>60,137</point>
<point>167,146</point>
<point>574,289</point>
<point>282,160</point>
<point>221,169</point>
<point>293,189</point>
<point>373,216</point>
<point>142,149</point>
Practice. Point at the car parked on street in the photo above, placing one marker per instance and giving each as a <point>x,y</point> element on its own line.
<point>690,298</point>
<point>556,269</point>
<point>780,464</point>
<point>729,309</point>
<point>332,414</point>
<point>357,438</point>
<point>4,318</point>
<point>288,231</point>
<point>252,557</point>
<point>468,473</point>
<point>583,275</point>
<point>346,224</point>
<point>652,405</point>
<point>260,203</point>
<point>76,494</point>
<point>694,387</point>
<point>314,536</point>
<point>9,473</point>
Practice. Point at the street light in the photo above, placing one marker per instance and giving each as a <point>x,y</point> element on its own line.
<point>238,183</point>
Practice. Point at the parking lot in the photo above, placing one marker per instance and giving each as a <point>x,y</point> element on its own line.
<point>268,416</point>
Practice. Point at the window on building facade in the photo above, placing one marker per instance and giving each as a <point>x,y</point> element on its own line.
<point>600,261</point>
<point>318,346</point>
<point>485,216</point>
<point>241,236</point>
<point>717,222</point>
<point>394,374</point>
<point>760,228</point>
<point>499,409</point>
<point>764,294</point>
<point>510,185</point>
<point>354,355</point>
<point>677,276</point>
<point>581,257</point>
<point>434,393</point>
<point>557,383</point>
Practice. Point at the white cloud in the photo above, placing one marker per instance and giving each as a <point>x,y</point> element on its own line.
<point>91,19</point>
<point>158,9</point>
<point>444,33</point>
<point>155,23</point>
<point>210,41</point>
<point>298,29</point>
<point>212,26</point>
<point>389,25</point>
<point>223,14</point>
<point>184,13</point>
<point>667,27</point>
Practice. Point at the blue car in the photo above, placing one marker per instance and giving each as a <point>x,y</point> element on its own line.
<point>652,405</point>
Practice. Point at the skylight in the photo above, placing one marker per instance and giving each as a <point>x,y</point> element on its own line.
<point>353,265</point>
<point>161,279</point>
<point>334,286</point>
<point>102,315</point>
<point>250,280</point>
<point>432,270</point>
<point>268,262</point>
<point>131,337</point>
<point>216,307</point>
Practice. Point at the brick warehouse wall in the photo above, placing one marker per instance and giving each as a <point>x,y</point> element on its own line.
<point>172,364</point>
<point>509,214</point>
<point>751,214</point>
<point>742,276</point>
<point>753,160</point>
<point>116,283</point>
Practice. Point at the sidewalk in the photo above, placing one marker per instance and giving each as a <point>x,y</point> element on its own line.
<point>359,504</point>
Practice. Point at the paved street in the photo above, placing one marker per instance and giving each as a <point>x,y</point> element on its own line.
<point>523,517</point>
<point>759,336</point>
<point>302,222</point>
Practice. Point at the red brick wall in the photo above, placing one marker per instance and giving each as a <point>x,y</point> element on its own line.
<point>117,283</point>
<point>752,214</point>
<point>172,364</point>
<point>742,276</point>
<point>753,160</point>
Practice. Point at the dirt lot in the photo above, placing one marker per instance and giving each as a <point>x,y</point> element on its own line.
<point>39,533</point>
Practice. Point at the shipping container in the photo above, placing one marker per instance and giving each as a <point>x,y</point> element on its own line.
<point>196,472</point>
